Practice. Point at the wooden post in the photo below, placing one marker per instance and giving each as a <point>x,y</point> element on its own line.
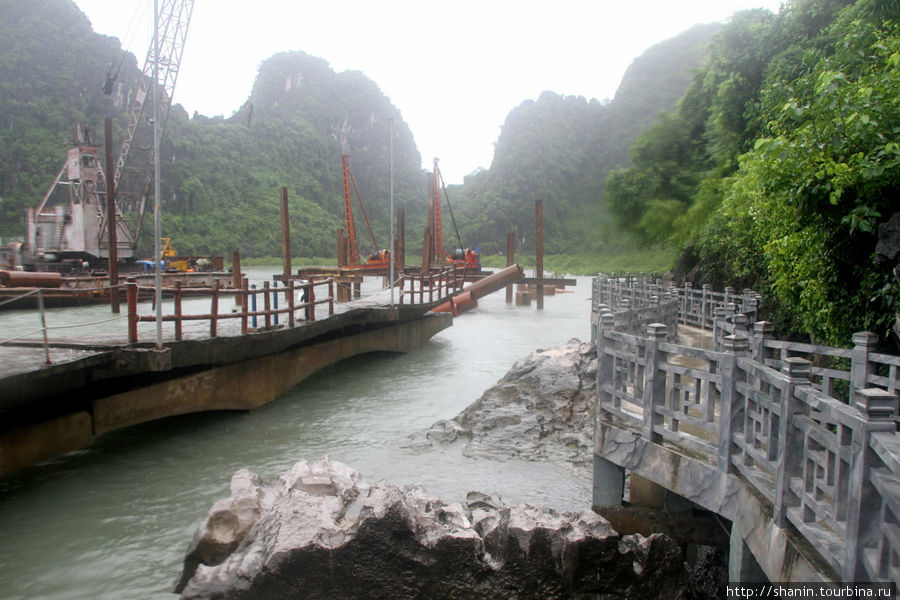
<point>267,304</point>
<point>539,250</point>
<point>289,294</point>
<point>214,310</point>
<point>178,310</point>
<point>510,260</point>
<point>285,234</point>
<point>426,251</point>
<point>132,294</point>
<point>311,302</point>
<point>245,289</point>
<point>400,250</point>
<point>236,277</point>
<point>341,248</point>
<point>113,267</point>
<point>331,297</point>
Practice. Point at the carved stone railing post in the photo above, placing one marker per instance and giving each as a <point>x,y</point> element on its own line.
<point>741,326</point>
<point>654,381</point>
<point>762,331</point>
<point>687,302</point>
<point>789,452</point>
<point>719,313</point>
<point>879,411</point>
<point>730,409</point>
<point>706,307</point>
<point>863,344</point>
<point>606,360</point>
<point>750,305</point>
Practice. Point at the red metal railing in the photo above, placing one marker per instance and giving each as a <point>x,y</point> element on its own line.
<point>435,285</point>
<point>247,298</point>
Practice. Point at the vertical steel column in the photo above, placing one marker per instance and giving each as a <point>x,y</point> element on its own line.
<point>510,260</point>
<point>285,234</point>
<point>539,250</point>
<point>111,220</point>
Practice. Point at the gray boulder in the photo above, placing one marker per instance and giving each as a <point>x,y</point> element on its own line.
<point>540,410</point>
<point>321,531</point>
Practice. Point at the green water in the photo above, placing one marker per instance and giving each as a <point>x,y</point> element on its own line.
<point>112,521</point>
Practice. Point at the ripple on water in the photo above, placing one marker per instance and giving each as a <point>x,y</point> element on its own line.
<point>112,521</point>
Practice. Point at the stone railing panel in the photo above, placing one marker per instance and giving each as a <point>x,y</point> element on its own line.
<point>818,494</point>
<point>621,369</point>
<point>884,372</point>
<point>872,548</point>
<point>759,391</point>
<point>812,428</point>
<point>693,384</point>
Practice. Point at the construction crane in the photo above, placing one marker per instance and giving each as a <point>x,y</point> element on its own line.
<point>379,258</point>
<point>60,231</point>
<point>461,256</point>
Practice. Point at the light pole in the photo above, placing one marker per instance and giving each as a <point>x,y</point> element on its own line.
<point>156,215</point>
<point>393,245</point>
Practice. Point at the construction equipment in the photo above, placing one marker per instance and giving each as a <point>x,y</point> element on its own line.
<point>378,258</point>
<point>460,256</point>
<point>69,228</point>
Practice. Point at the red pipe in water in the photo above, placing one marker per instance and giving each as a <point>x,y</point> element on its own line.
<point>468,297</point>
<point>30,279</point>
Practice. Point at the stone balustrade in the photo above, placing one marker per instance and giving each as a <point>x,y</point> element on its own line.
<point>812,430</point>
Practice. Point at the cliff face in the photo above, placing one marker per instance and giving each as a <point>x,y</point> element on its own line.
<point>322,531</point>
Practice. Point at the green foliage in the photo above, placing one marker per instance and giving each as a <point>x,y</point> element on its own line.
<point>801,214</point>
<point>627,260</point>
<point>52,67</point>
<point>220,177</point>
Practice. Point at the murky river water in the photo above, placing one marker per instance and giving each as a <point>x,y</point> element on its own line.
<point>113,520</point>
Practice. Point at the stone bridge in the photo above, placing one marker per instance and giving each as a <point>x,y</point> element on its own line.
<point>795,444</point>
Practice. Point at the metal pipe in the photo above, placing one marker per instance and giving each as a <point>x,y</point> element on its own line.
<point>156,207</point>
<point>113,253</point>
<point>510,260</point>
<point>40,302</point>
<point>539,250</point>
<point>391,266</point>
<point>285,234</point>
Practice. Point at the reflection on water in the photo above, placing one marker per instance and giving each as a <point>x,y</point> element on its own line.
<point>113,520</point>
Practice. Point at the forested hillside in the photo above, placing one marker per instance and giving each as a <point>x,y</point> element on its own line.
<point>560,148</point>
<point>781,166</point>
<point>52,69</point>
<point>224,175</point>
<point>220,177</point>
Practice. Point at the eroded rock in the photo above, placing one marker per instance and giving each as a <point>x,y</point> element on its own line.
<point>321,531</point>
<point>540,410</point>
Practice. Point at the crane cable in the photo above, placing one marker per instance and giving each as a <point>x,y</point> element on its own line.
<point>450,208</point>
<point>112,73</point>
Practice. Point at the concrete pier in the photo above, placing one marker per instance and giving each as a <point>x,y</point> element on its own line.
<point>64,406</point>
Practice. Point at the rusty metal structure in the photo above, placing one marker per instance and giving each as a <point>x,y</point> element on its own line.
<point>348,251</point>
<point>69,227</point>
<point>434,244</point>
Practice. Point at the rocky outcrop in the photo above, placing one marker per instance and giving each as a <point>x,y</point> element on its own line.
<point>321,531</point>
<point>540,410</point>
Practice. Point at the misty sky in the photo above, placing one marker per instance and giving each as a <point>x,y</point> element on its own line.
<point>454,69</point>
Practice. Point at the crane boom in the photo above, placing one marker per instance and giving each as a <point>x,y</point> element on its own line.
<point>437,225</point>
<point>353,254</point>
<point>77,229</point>
<point>173,20</point>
